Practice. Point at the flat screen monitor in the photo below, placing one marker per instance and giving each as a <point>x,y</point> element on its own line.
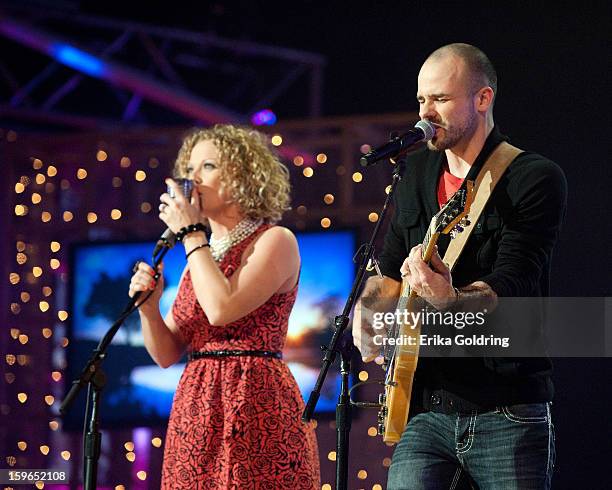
<point>138,392</point>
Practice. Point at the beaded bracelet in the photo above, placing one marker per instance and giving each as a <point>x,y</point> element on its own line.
<point>197,248</point>
<point>187,230</point>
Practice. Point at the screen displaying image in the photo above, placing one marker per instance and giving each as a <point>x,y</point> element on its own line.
<point>138,392</point>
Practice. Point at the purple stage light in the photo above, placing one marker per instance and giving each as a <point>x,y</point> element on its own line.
<point>264,117</point>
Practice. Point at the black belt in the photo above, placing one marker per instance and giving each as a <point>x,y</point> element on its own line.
<point>192,356</point>
<point>442,401</point>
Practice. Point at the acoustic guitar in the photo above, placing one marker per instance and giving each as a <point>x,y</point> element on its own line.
<point>401,357</point>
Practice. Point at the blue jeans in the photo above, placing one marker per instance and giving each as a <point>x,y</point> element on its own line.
<point>511,448</point>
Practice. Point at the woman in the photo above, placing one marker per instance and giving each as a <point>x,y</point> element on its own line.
<point>235,420</point>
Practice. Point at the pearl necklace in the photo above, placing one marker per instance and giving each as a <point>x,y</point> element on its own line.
<point>219,247</point>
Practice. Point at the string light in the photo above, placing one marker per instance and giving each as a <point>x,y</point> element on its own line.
<point>47,291</point>
<point>19,187</point>
<point>21,258</point>
<point>328,198</point>
<point>117,182</point>
<point>156,442</point>
<point>142,475</point>
<point>46,332</point>
<point>129,446</point>
<point>373,217</point>
<point>36,198</point>
<point>131,457</point>
<point>62,315</point>
<point>101,155</point>
<point>92,217</point>
<point>51,171</point>
<point>37,164</point>
<point>40,179</point>
<point>22,445</point>
<point>308,172</point>
<point>298,161</point>
<point>49,399</point>
<point>363,375</point>
<point>21,246</point>
<point>81,173</point>
<point>145,207</point>
<point>22,397</point>
<point>125,162</point>
<point>153,162</point>
<point>55,246</point>
<point>372,431</point>
<point>65,455</point>
<point>115,214</point>
<point>54,263</point>
<point>43,305</point>
<point>25,296</point>
<point>23,339</point>
<point>45,217</point>
<point>21,210</point>
<point>140,175</point>
<point>56,376</point>
<point>277,140</point>
<point>331,456</point>
<point>362,474</point>
<point>325,223</point>
<point>44,449</point>
<point>67,216</point>
<point>37,271</point>
<point>321,158</point>
<point>357,177</point>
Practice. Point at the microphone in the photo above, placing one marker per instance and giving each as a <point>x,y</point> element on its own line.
<point>168,238</point>
<point>423,131</point>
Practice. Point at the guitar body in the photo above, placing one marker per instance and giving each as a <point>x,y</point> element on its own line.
<point>398,389</point>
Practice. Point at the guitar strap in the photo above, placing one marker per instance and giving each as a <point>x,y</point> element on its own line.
<point>488,177</point>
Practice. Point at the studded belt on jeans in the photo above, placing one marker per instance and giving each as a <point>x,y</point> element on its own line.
<point>192,356</point>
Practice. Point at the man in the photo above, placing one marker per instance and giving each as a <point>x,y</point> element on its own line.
<point>482,421</point>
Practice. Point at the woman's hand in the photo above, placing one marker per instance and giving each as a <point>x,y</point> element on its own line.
<point>143,281</point>
<point>179,212</point>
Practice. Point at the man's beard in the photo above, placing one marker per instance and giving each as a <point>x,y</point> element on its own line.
<point>453,134</point>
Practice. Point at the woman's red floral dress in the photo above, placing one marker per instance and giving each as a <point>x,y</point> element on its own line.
<point>235,421</point>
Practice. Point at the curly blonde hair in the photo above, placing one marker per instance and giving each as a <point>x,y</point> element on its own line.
<point>251,173</point>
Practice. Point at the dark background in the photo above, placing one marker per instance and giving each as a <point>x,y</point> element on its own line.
<point>553,63</point>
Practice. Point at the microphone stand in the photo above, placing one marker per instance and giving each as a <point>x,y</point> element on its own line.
<point>343,407</point>
<point>94,376</point>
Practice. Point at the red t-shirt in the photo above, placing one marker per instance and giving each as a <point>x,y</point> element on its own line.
<point>447,186</point>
